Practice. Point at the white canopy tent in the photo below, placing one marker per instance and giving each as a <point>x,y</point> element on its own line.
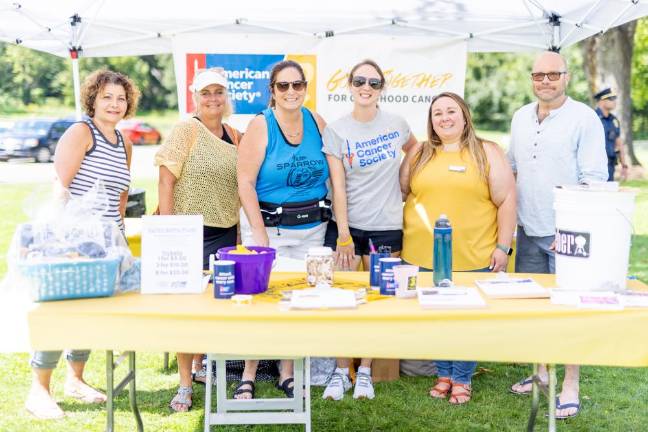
<point>102,28</point>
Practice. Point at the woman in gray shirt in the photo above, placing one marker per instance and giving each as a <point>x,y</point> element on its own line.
<point>363,150</point>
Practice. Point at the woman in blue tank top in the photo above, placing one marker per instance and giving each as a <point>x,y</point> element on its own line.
<point>281,165</point>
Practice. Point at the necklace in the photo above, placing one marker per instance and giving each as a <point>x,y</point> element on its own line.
<point>284,129</point>
<point>295,135</point>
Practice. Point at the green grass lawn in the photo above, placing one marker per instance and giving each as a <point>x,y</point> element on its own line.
<point>613,399</point>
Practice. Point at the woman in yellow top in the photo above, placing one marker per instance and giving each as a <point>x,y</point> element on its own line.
<point>198,176</point>
<point>470,180</point>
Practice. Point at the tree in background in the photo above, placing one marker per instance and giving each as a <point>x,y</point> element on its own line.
<point>154,76</point>
<point>497,84</point>
<point>36,78</point>
<point>640,80</point>
<point>608,63</point>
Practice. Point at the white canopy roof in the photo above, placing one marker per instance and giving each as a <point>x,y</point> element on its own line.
<point>131,27</point>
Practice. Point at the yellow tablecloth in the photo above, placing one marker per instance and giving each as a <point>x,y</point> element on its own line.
<point>508,330</point>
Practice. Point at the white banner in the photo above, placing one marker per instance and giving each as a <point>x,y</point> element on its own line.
<point>416,69</point>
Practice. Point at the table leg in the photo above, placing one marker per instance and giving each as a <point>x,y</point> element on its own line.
<point>535,400</point>
<point>165,361</point>
<point>132,392</point>
<point>110,383</point>
<point>551,370</point>
<point>112,391</point>
<point>307,391</point>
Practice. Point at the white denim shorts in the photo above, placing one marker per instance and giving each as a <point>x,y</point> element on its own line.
<point>291,243</point>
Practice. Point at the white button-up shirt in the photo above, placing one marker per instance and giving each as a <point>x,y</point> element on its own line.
<point>567,148</point>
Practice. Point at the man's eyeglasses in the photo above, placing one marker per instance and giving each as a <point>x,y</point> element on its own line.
<point>374,83</point>
<point>540,76</point>
<point>283,86</point>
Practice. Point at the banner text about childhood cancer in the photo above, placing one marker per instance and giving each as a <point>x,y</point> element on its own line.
<point>337,86</point>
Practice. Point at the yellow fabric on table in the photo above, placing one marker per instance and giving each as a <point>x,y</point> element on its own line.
<point>133,232</point>
<point>522,331</point>
<point>281,282</point>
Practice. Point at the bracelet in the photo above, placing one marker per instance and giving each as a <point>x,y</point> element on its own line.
<point>507,250</point>
<point>345,243</point>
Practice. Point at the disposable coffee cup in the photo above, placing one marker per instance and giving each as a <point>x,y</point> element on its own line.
<point>406,279</point>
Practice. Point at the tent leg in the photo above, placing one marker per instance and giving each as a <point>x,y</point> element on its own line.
<point>77,88</point>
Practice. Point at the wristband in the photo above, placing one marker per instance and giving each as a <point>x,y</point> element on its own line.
<point>344,243</point>
<point>507,250</point>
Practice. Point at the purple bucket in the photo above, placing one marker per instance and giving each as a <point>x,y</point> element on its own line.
<point>251,271</point>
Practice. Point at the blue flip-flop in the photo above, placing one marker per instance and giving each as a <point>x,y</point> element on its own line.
<point>522,383</point>
<point>567,405</point>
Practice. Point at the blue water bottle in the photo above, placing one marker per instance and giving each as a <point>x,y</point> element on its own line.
<point>442,256</point>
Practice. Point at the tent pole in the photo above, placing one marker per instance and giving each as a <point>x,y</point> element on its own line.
<point>554,20</point>
<point>74,55</point>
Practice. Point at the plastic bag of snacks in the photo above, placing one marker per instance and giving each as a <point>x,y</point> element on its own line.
<point>68,251</point>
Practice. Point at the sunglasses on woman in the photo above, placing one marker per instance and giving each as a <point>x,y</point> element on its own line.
<point>374,83</point>
<point>553,76</point>
<point>283,86</point>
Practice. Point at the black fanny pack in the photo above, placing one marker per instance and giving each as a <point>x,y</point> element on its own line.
<point>295,213</point>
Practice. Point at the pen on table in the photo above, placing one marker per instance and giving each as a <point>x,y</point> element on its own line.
<point>372,248</point>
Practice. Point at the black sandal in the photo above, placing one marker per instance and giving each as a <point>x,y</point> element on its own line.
<point>239,390</point>
<point>287,390</point>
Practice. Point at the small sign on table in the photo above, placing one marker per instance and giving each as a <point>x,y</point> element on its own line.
<point>172,259</point>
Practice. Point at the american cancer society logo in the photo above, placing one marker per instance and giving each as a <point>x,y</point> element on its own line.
<point>249,77</point>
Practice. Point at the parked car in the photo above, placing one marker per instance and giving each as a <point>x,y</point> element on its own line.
<point>5,126</point>
<point>33,138</point>
<point>139,132</point>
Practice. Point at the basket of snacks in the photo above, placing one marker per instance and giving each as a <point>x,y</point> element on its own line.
<point>71,278</point>
<point>82,261</point>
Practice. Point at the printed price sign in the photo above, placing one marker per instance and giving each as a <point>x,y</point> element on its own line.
<point>172,254</point>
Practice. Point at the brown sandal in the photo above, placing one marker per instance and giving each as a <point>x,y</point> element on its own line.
<point>441,388</point>
<point>460,391</point>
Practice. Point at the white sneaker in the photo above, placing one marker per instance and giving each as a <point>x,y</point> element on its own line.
<point>363,387</point>
<point>337,386</point>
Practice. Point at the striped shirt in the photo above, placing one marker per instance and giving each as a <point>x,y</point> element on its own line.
<point>107,162</point>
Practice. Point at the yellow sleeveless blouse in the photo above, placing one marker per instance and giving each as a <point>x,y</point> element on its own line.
<point>205,168</point>
<point>450,184</point>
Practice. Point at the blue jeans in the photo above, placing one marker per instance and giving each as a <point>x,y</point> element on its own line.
<point>459,372</point>
<point>611,166</point>
<point>49,359</point>
<point>533,254</point>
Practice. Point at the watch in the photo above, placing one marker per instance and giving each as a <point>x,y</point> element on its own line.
<point>507,250</point>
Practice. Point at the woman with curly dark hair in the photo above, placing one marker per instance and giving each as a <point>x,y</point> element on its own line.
<point>88,151</point>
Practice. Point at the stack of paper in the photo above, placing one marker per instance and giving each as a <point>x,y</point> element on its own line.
<point>599,300</point>
<point>328,298</point>
<point>512,288</point>
<point>602,300</point>
<point>634,298</point>
<point>450,298</point>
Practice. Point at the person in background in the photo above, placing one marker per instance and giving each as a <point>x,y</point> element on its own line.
<point>554,141</point>
<point>198,176</point>
<point>363,150</point>
<point>605,104</point>
<point>469,179</point>
<point>88,151</point>
<point>281,166</point>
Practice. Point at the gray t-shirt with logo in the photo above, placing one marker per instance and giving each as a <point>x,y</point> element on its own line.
<point>371,155</point>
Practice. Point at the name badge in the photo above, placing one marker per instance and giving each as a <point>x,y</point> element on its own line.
<point>457,168</point>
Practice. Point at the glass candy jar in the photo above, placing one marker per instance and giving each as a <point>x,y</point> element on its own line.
<point>319,265</point>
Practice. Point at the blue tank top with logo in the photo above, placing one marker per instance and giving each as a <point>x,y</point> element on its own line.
<point>292,173</point>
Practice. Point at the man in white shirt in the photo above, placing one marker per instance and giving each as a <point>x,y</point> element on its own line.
<point>554,141</point>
